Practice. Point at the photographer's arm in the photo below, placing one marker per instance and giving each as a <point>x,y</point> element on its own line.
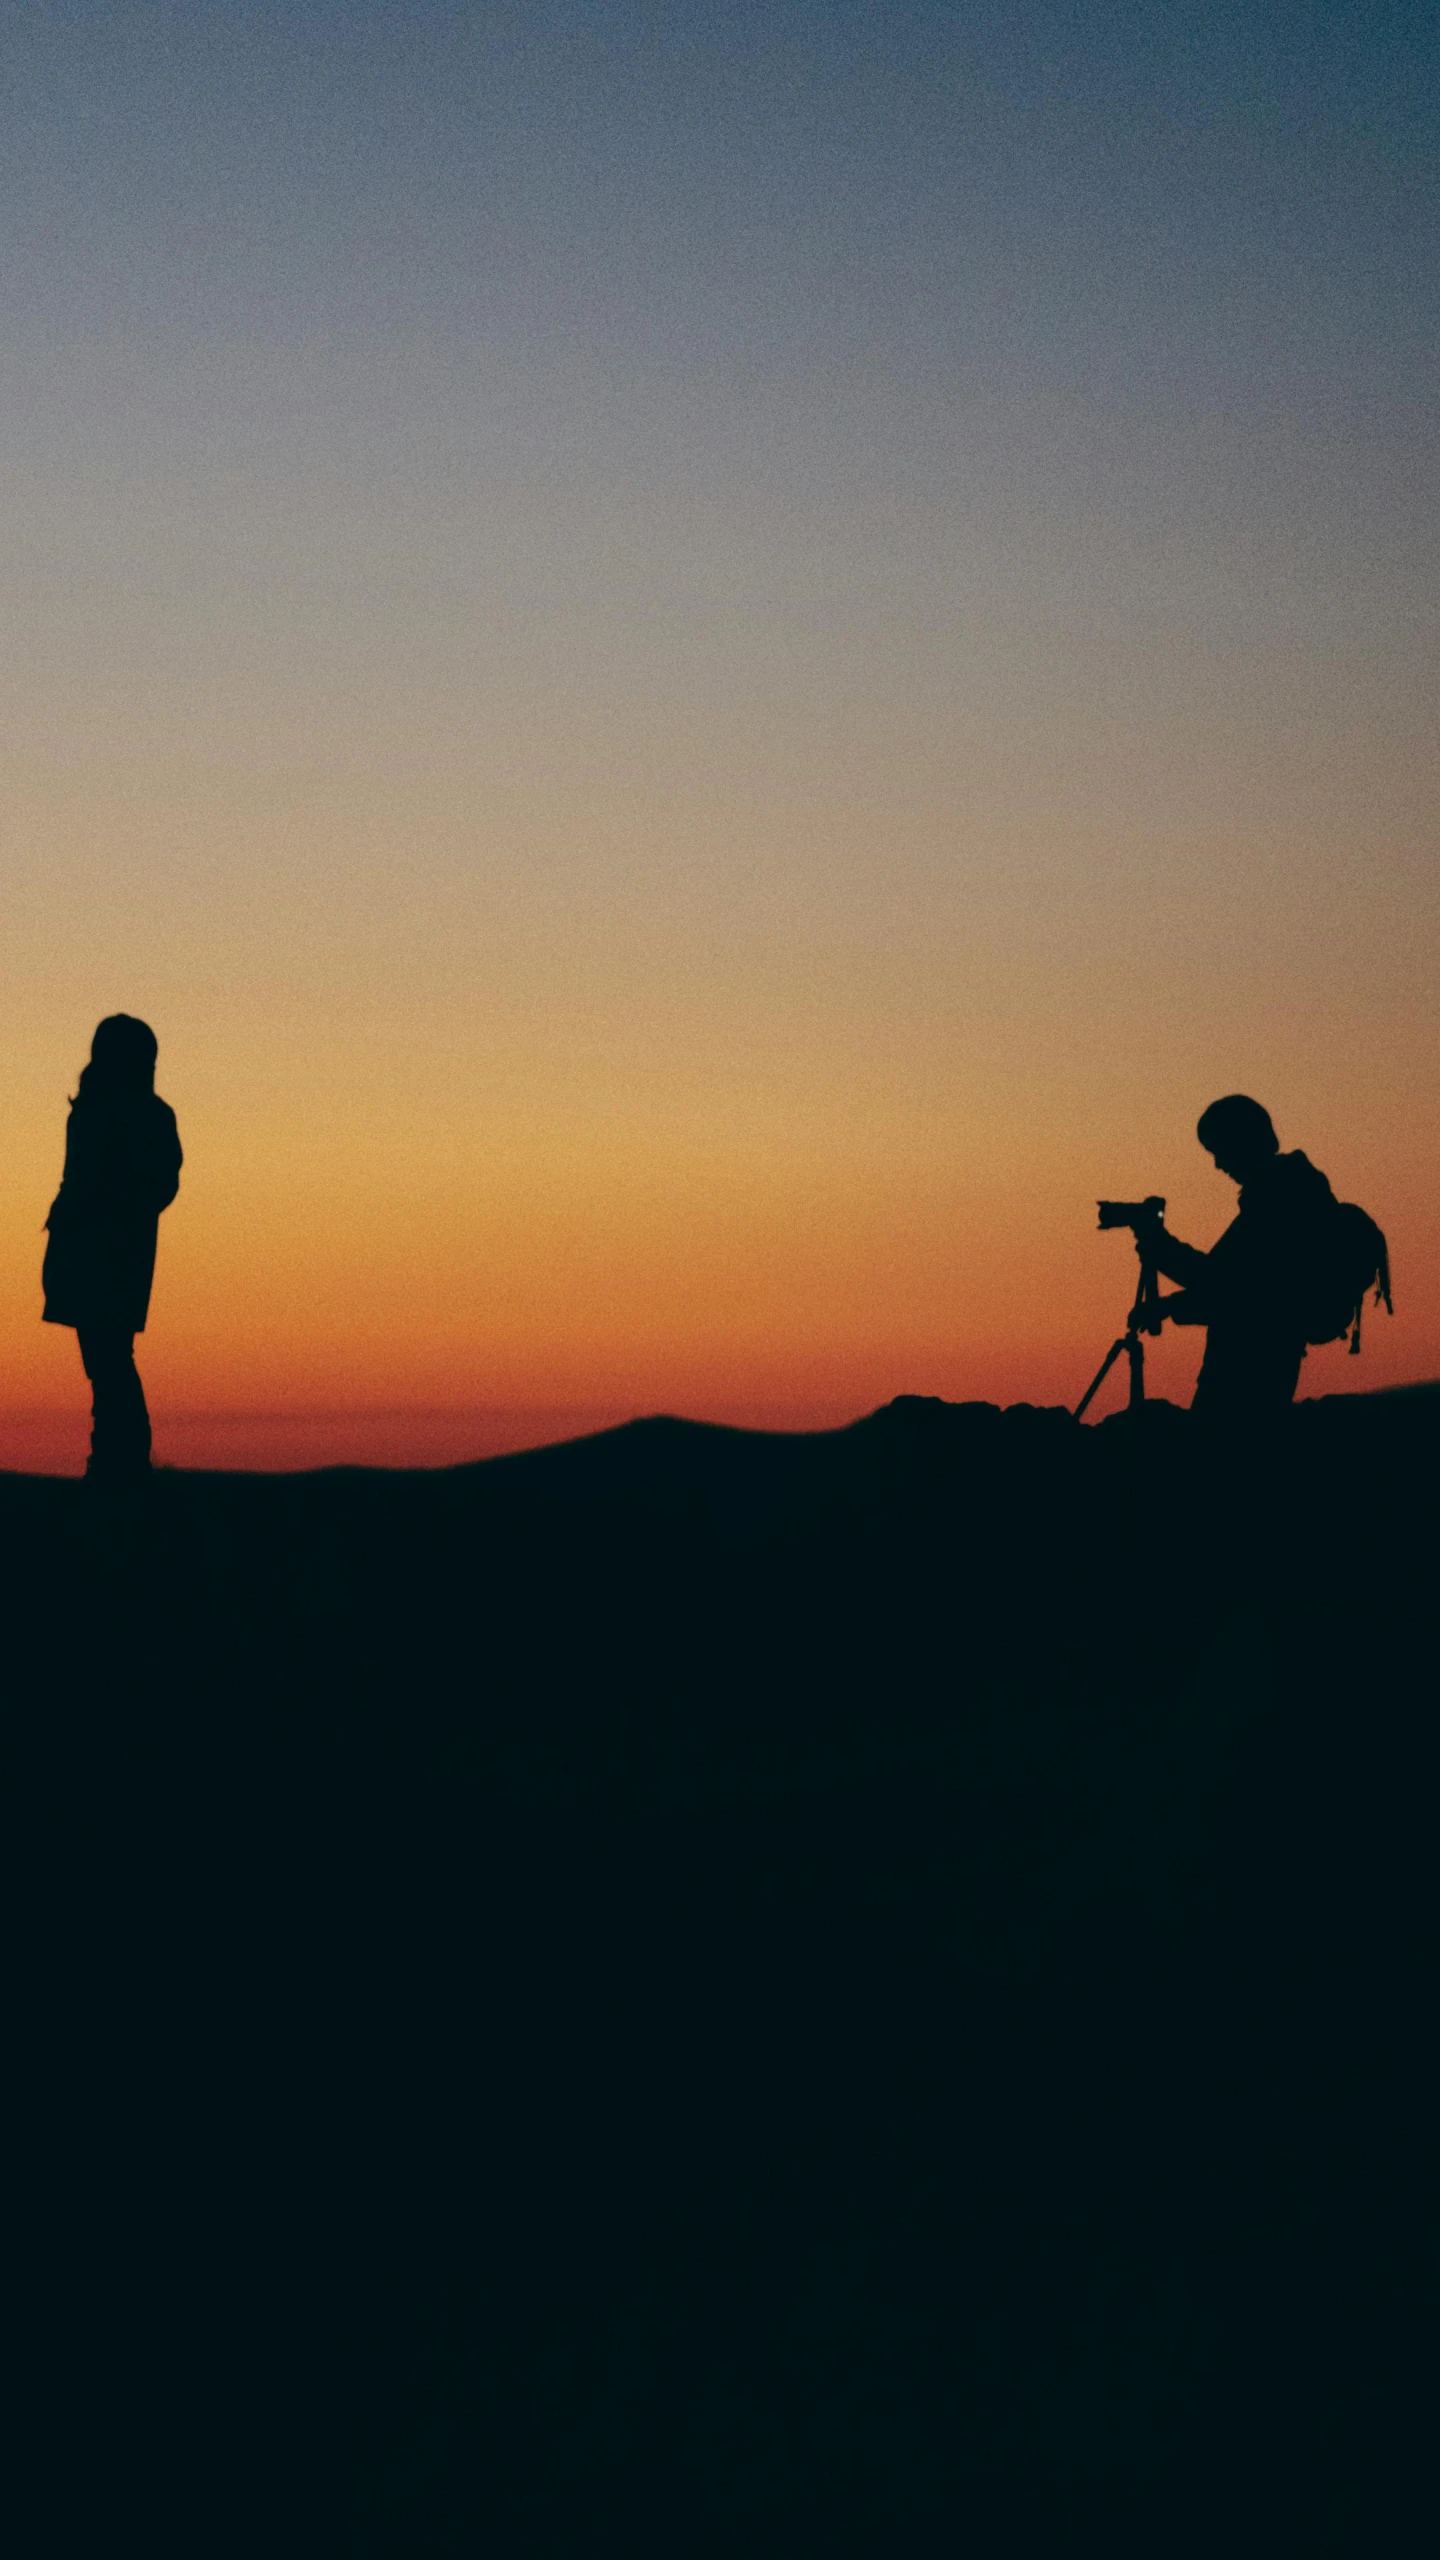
<point>1182,1262</point>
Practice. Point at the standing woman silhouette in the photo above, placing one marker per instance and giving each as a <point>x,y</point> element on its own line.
<point>122,1167</point>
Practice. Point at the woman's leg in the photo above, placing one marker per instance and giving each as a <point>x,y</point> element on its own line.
<point>120,1424</point>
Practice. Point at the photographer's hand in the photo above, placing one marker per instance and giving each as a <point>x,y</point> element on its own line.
<point>1184,1307</point>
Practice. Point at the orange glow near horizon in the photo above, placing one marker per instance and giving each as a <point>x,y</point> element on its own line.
<point>367,1274</point>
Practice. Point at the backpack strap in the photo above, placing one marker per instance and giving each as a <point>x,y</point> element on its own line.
<point>1382,1286</point>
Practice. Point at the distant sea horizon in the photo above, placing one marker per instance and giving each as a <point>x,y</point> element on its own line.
<point>47,1441</point>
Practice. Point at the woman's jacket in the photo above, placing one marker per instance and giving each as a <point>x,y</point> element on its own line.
<point>122,1167</point>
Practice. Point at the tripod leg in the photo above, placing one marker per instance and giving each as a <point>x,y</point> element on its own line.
<point>1136,1349</point>
<point>1102,1373</point>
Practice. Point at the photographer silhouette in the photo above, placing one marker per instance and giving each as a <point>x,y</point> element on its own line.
<point>1250,1289</point>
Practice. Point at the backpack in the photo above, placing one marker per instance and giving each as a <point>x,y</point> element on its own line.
<point>1348,1255</point>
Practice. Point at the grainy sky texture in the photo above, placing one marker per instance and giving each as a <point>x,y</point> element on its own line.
<point>705,666</point>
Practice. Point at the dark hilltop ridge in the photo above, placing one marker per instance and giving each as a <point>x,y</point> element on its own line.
<point>708,1994</point>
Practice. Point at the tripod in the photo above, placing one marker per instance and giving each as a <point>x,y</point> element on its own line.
<point>1146,1316</point>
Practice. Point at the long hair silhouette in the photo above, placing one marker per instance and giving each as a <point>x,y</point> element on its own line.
<point>122,1059</point>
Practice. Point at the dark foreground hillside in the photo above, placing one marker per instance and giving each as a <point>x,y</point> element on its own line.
<point>715,1996</point>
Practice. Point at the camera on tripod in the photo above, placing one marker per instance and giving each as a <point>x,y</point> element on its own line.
<point>1138,1214</point>
<point>1148,1313</point>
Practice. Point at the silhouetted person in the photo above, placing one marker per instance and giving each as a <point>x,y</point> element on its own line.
<point>122,1167</point>
<point>1249,1289</point>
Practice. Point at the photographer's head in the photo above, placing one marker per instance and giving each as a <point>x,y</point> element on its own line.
<point>1240,1135</point>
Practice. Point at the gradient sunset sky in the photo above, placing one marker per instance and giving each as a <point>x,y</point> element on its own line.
<point>705,665</point>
